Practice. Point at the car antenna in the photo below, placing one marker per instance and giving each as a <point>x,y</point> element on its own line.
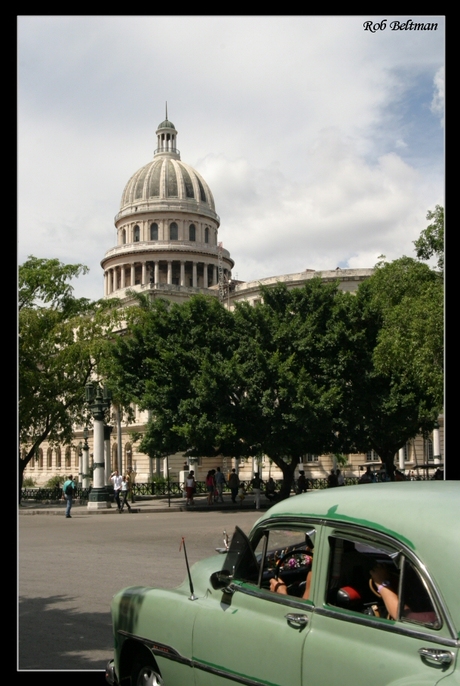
<point>192,594</point>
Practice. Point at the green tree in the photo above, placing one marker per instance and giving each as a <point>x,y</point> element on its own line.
<point>171,361</point>
<point>431,240</point>
<point>400,391</point>
<point>61,340</point>
<point>272,379</point>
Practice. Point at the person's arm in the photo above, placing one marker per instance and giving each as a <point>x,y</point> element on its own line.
<point>384,587</point>
<point>278,586</point>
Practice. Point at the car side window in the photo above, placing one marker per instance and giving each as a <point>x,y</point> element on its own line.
<point>285,557</point>
<point>378,581</point>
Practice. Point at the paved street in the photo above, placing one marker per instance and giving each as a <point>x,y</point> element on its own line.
<point>69,569</point>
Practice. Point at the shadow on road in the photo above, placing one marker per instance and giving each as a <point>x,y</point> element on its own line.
<point>59,638</point>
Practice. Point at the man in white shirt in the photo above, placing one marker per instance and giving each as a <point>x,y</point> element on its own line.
<point>116,479</point>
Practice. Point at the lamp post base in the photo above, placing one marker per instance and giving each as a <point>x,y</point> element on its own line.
<point>99,499</point>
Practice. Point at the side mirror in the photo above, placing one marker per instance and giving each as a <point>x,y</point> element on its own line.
<point>220,579</point>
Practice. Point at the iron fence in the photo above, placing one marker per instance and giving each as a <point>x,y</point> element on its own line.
<point>161,489</point>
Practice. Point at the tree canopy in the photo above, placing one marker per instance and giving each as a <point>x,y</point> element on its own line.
<point>400,390</point>
<point>61,340</point>
<point>271,379</point>
<point>431,239</point>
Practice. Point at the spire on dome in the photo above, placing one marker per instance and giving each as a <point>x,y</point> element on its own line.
<point>166,138</point>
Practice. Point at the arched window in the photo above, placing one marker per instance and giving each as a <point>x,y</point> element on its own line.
<point>49,458</point>
<point>192,232</point>
<point>67,457</point>
<point>173,232</point>
<point>154,231</point>
<point>123,237</point>
<point>58,458</point>
<point>40,458</point>
<point>206,235</point>
<point>128,457</point>
<point>77,457</point>
<point>136,234</point>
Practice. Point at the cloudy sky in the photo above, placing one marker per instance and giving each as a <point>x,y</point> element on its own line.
<point>322,142</point>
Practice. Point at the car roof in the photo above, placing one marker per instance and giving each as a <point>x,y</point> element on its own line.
<point>424,515</point>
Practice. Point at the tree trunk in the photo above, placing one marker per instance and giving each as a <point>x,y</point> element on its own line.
<point>288,469</point>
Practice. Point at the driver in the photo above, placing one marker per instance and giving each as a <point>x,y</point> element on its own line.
<point>278,586</point>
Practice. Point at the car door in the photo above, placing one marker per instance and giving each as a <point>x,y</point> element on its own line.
<point>352,640</point>
<point>245,633</point>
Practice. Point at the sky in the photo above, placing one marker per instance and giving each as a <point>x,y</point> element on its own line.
<point>322,141</point>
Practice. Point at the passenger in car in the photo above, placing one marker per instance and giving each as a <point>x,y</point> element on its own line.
<point>389,596</point>
<point>278,586</point>
<point>384,587</point>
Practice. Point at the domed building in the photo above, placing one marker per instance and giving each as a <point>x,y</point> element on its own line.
<point>167,246</point>
<point>167,230</point>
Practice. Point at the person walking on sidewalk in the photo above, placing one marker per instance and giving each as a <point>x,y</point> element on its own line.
<point>116,479</point>
<point>256,484</point>
<point>190,487</point>
<point>219,478</point>
<point>124,493</point>
<point>210,486</point>
<point>234,482</point>
<point>68,492</point>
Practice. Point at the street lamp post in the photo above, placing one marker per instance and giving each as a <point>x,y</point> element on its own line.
<point>436,444</point>
<point>99,402</point>
<point>85,460</point>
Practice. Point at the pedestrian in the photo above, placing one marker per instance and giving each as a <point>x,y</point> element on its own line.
<point>256,484</point>
<point>332,479</point>
<point>125,492</point>
<point>234,482</point>
<point>215,494</point>
<point>68,492</point>
<point>340,479</point>
<point>270,489</point>
<point>131,476</point>
<point>190,487</point>
<point>302,482</point>
<point>367,477</point>
<point>219,478</point>
<point>116,479</point>
<point>210,486</point>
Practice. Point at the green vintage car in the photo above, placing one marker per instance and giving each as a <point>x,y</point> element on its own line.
<point>352,586</point>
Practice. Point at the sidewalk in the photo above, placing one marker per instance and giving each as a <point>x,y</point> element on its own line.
<point>142,505</point>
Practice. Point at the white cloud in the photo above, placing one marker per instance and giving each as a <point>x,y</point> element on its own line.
<point>300,126</point>
<point>437,104</point>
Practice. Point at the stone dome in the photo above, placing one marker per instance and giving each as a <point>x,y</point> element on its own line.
<point>166,182</point>
<point>166,179</point>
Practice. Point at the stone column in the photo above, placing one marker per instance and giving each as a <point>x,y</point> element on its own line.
<point>144,273</point>
<point>401,459</point>
<point>194,280</point>
<point>169,280</point>
<point>214,274</point>
<point>436,445</point>
<point>182,273</point>
<point>123,275</point>
<point>157,271</point>
<point>115,279</point>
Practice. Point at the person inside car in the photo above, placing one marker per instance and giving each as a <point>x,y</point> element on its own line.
<point>278,586</point>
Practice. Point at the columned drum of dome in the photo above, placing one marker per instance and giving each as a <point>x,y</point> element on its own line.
<point>167,229</point>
